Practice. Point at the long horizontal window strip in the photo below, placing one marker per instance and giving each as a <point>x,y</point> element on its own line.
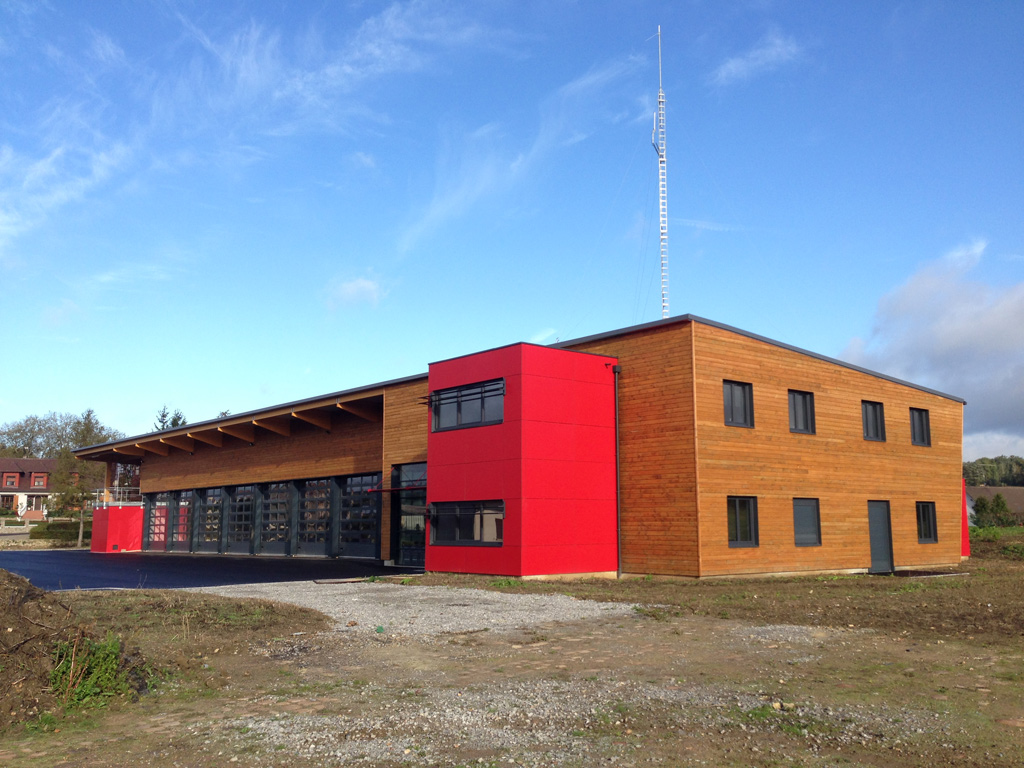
<point>471,405</point>
<point>473,523</point>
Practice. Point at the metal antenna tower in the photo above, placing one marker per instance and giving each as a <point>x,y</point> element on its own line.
<point>658,140</point>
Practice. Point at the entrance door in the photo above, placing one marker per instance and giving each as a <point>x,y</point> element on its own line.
<point>880,534</point>
<point>359,519</point>
<point>408,513</point>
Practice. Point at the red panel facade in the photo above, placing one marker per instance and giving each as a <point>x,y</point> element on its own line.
<point>551,461</point>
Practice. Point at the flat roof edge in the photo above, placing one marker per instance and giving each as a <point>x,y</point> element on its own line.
<point>757,337</point>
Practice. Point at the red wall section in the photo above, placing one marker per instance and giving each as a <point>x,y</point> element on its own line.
<point>117,529</point>
<point>551,460</point>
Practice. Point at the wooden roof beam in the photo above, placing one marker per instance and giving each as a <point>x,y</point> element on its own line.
<point>276,425</point>
<point>316,418</point>
<point>181,442</point>
<point>214,438</point>
<point>130,450</point>
<point>156,447</point>
<point>362,411</point>
<point>243,431</point>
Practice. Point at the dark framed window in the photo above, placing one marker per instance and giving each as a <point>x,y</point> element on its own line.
<point>920,427</point>
<point>738,397</point>
<point>10,480</point>
<point>874,420</point>
<point>478,523</point>
<point>801,412</point>
<point>806,523</point>
<point>742,512</point>
<point>472,405</point>
<point>926,532</point>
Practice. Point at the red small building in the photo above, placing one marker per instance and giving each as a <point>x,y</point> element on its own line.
<point>521,461</point>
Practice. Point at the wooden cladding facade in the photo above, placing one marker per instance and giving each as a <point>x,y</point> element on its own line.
<point>835,465</point>
<point>679,462</point>
<point>353,445</point>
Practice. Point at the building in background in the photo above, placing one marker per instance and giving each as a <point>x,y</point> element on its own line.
<point>680,447</point>
<point>25,486</point>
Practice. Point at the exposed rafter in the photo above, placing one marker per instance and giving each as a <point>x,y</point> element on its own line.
<point>181,442</point>
<point>362,411</point>
<point>211,437</point>
<point>276,425</point>
<point>316,418</point>
<point>244,431</point>
<point>155,447</point>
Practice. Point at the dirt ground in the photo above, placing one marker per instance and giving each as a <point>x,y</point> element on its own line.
<point>814,671</point>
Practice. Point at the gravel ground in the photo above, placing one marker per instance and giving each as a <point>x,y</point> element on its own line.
<point>412,610</point>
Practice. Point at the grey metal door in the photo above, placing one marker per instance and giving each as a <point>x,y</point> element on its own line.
<point>880,533</point>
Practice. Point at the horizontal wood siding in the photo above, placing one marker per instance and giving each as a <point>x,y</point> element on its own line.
<point>836,465</point>
<point>353,445</point>
<point>657,503</point>
<point>406,423</point>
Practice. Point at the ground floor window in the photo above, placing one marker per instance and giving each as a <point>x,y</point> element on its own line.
<point>742,512</point>
<point>926,533</point>
<point>806,523</point>
<point>468,522</point>
<point>7,502</point>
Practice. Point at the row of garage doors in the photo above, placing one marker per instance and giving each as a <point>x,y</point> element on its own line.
<point>324,517</point>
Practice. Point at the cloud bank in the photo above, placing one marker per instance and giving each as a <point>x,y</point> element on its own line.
<point>946,330</point>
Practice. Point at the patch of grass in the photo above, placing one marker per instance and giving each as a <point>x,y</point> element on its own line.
<point>504,583</point>
<point>1014,551</point>
<point>88,673</point>
<point>986,534</point>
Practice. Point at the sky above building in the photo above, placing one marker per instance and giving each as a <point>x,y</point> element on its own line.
<point>223,206</point>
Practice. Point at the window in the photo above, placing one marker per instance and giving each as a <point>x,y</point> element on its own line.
<point>468,522</point>
<point>10,480</point>
<point>801,412</point>
<point>926,533</point>
<point>742,521</point>
<point>38,480</point>
<point>806,523</point>
<point>739,403</point>
<point>920,427</point>
<point>473,405</point>
<point>874,420</point>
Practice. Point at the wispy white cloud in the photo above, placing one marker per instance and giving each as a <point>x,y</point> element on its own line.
<point>956,334</point>
<point>709,226</point>
<point>357,291</point>
<point>33,189</point>
<point>770,53</point>
<point>104,50</point>
<point>475,165</point>
<point>543,336</point>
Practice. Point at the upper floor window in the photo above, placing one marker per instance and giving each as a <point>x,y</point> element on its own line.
<point>874,420</point>
<point>738,397</point>
<point>472,405</point>
<point>38,480</point>
<point>801,412</point>
<point>920,427</point>
<point>742,511</point>
<point>467,522</point>
<point>926,532</point>
<point>10,480</point>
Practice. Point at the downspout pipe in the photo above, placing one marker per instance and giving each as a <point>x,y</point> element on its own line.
<point>616,370</point>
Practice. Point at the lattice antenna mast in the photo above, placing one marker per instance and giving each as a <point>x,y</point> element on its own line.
<point>658,140</point>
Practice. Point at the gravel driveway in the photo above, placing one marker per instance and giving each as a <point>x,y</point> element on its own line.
<point>411,610</point>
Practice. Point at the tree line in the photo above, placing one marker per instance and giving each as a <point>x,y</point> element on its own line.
<point>1002,470</point>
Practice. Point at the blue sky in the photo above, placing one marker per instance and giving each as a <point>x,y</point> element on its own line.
<point>230,205</point>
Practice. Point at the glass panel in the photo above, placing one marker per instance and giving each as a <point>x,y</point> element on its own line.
<point>471,408</point>
<point>240,518</point>
<point>314,515</point>
<point>275,514</point>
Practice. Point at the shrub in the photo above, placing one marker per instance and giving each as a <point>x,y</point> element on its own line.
<point>63,532</point>
<point>87,673</point>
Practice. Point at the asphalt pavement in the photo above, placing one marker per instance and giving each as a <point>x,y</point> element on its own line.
<point>57,569</point>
